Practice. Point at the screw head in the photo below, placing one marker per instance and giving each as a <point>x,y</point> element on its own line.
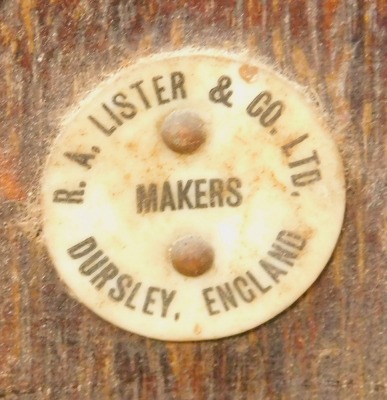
<point>183,131</point>
<point>191,256</point>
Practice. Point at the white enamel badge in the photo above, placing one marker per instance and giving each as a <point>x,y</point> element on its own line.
<point>192,197</point>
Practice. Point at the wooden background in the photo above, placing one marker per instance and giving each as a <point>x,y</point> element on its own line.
<point>332,343</point>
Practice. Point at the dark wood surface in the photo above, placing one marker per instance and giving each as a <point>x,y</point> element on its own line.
<point>332,343</point>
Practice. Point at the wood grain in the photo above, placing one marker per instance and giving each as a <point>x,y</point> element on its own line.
<point>332,343</point>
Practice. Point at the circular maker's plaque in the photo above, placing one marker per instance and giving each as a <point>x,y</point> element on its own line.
<point>192,196</point>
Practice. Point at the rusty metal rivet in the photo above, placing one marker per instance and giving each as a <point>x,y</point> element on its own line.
<point>183,131</point>
<point>191,256</point>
